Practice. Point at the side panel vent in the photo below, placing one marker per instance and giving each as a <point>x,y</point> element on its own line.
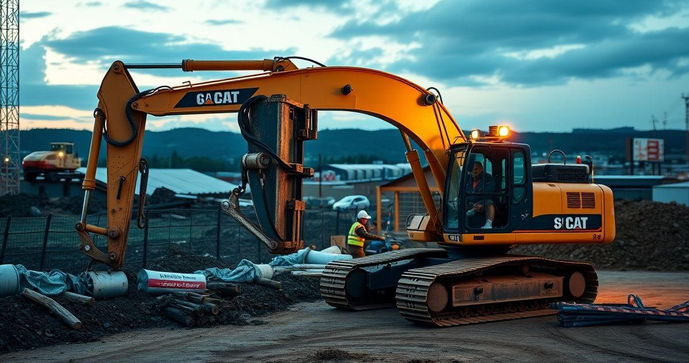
<point>588,200</point>
<point>573,200</point>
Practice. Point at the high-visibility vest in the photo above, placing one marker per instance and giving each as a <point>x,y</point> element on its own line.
<point>354,239</point>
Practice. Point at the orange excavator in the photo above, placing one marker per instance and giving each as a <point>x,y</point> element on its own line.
<point>492,197</point>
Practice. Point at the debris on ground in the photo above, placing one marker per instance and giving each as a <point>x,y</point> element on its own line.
<point>337,355</point>
<point>24,325</point>
<point>161,195</point>
<point>189,309</point>
<point>649,236</point>
<point>579,315</point>
<point>54,307</point>
<point>31,205</point>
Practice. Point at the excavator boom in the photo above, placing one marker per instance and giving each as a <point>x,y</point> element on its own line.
<point>120,119</point>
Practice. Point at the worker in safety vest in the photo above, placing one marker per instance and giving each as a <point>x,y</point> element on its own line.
<point>358,234</point>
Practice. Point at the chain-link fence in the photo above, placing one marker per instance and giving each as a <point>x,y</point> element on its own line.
<point>51,242</point>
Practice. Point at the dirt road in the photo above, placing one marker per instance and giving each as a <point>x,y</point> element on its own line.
<point>307,332</point>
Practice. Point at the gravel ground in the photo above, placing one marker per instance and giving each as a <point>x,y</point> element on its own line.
<point>316,332</point>
<point>25,325</point>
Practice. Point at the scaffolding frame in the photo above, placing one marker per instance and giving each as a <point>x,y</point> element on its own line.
<point>9,97</point>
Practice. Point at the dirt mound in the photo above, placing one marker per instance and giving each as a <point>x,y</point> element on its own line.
<point>72,205</point>
<point>161,195</point>
<point>25,325</point>
<point>649,236</point>
<point>337,355</point>
<point>18,205</point>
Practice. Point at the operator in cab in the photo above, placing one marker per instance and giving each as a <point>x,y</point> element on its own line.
<point>480,182</point>
<point>358,234</point>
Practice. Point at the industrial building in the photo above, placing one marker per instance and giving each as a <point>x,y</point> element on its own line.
<point>669,193</point>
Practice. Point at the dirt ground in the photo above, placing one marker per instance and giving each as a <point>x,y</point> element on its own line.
<point>314,332</point>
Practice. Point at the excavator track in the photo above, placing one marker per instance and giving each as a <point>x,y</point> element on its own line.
<point>333,284</point>
<point>413,298</point>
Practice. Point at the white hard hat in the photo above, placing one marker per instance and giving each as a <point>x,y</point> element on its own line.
<point>362,214</point>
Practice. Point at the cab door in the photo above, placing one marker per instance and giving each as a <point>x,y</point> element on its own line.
<point>521,187</point>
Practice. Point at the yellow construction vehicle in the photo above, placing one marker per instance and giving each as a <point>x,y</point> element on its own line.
<point>61,158</point>
<point>492,197</point>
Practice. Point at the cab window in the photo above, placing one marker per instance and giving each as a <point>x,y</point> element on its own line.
<point>518,177</point>
<point>451,210</point>
<point>485,192</point>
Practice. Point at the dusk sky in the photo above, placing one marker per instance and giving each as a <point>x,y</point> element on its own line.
<point>537,65</point>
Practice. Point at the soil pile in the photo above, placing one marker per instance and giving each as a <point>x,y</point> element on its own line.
<point>337,355</point>
<point>649,236</point>
<point>20,205</point>
<point>25,325</point>
<point>160,196</point>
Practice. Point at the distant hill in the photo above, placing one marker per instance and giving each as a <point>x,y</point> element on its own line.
<point>386,144</point>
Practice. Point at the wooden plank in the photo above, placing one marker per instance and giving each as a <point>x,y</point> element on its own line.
<point>86,300</point>
<point>58,310</point>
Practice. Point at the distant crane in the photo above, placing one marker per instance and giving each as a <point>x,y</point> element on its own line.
<point>9,97</point>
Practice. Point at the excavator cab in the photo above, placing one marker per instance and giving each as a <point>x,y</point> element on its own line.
<point>487,181</point>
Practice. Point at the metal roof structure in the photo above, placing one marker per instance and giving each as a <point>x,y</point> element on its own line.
<point>673,185</point>
<point>180,181</point>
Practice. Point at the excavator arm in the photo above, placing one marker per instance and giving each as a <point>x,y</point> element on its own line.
<point>122,109</point>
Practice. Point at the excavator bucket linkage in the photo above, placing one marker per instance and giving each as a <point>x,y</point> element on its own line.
<point>275,129</point>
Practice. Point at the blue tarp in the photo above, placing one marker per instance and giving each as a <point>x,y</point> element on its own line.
<point>51,283</point>
<point>246,271</point>
<point>290,260</point>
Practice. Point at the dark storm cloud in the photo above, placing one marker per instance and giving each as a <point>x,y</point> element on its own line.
<point>32,65</point>
<point>31,116</point>
<point>145,5</point>
<point>91,4</point>
<point>34,15</point>
<point>133,46</point>
<point>222,21</point>
<point>35,92</point>
<point>463,39</point>
<point>105,45</point>
<point>327,4</point>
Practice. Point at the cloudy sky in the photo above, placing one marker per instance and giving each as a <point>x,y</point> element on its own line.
<point>538,65</point>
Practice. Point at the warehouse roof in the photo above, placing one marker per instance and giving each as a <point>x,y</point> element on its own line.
<point>673,185</point>
<point>180,181</point>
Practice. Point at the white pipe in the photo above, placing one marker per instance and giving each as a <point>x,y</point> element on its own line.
<point>159,283</point>
<point>320,258</point>
<point>332,249</point>
<point>266,271</point>
<point>9,280</point>
<point>317,273</point>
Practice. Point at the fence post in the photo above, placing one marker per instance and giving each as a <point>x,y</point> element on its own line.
<point>191,235</point>
<point>217,242</point>
<point>337,222</point>
<point>146,237</point>
<point>4,239</point>
<point>45,239</point>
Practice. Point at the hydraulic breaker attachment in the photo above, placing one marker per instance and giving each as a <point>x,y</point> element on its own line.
<point>275,129</point>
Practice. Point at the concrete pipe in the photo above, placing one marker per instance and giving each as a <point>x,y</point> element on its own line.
<point>9,280</point>
<point>266,271</point>
<point>107,284</point>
